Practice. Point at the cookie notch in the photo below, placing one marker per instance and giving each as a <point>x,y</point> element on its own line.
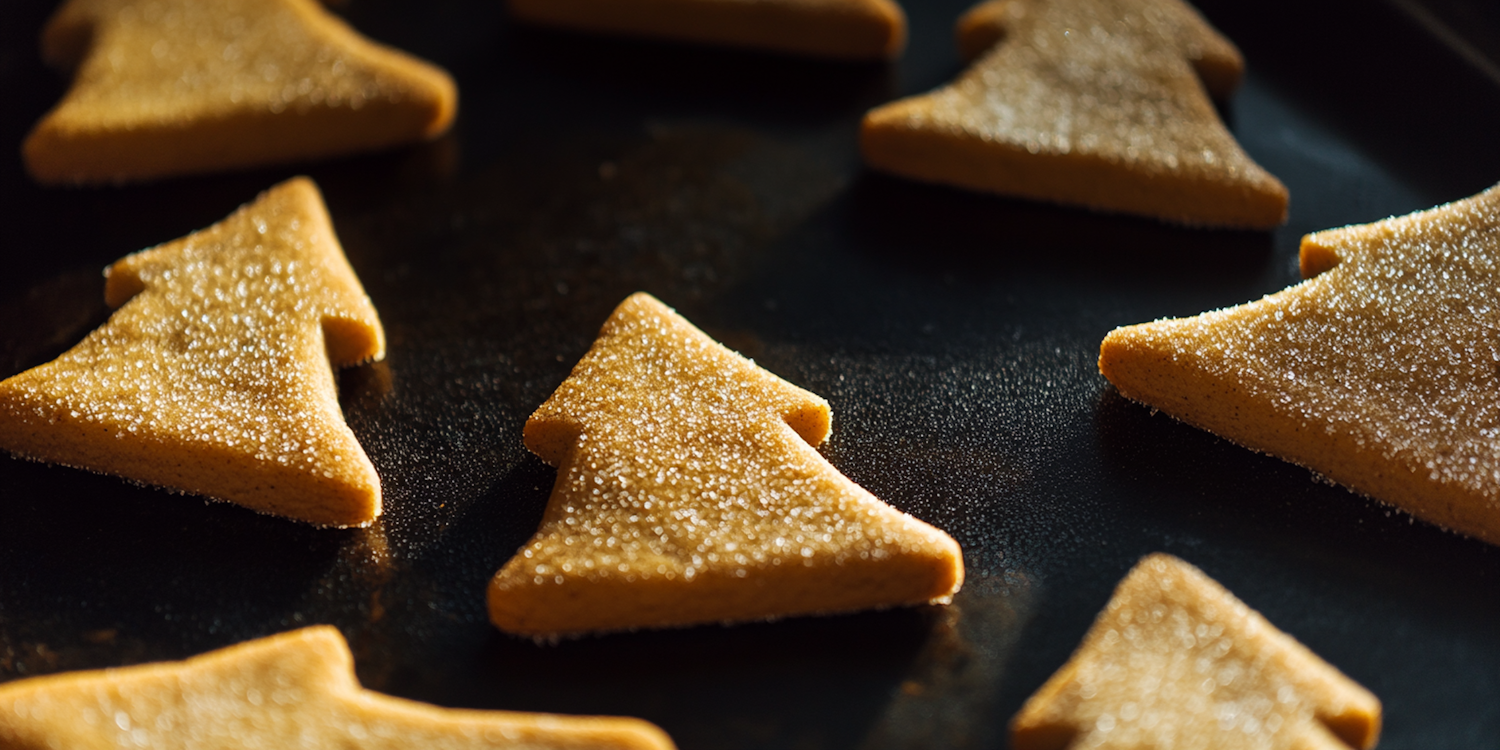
<point>296,689</point>
<point>1378,372</point>
<point>1175,660</point>
<point>837,29</point>
<point>214,375</point>
<point>191,86</point>
<point>1096,103</point>
<point>688,491</point>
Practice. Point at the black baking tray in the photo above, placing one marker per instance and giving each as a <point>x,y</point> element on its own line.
<point>955,335</point>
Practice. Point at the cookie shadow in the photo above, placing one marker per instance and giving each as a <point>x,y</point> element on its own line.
<point>165,575</point>
<point>50,318</point>
<point>696,79</point>
<point>798,682</point>
<point>1185,478</point>
<point>927,229</point>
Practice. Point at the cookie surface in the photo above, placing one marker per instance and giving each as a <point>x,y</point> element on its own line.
<point>1176,661</point>
<point>1096,103</point>
<point>213,377</point>
<point>171,87</point>
<point>295,689</point>
<point>688,491</point>
<point>1379,372</point>
<point>841,29</point>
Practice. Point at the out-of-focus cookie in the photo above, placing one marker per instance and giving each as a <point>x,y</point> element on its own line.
<point>293,690</point>
<point>1175,661</point>
<point>1097,103</point>
<point>172,87</point>
<point>840,29</point>
<point>1379,372</point>
<point>213,377</point>
<point>688,491</point>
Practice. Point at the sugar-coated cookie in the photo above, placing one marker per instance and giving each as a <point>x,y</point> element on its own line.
<point>688,491</point>
<point>1096,103</point>
<point>293,690</point>
<point>1175,661</point>
<point>841,29</point>
<point>214,376</point>
<point>172,87</point>
<point>1379,372</point>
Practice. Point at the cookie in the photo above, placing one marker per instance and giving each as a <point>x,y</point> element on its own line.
<point>214,376</point>
<point>1096,103</point>
<point>173,87</point>
<point>1174,660</point>
<point>295,689</point>
<point>688,491</point>
<point>839,29</point>
<point>1378,372</point>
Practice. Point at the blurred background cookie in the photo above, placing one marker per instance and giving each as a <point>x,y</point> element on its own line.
<point>189,86</point>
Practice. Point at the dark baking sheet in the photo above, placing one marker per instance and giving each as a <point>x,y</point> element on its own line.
<point>954,334</point>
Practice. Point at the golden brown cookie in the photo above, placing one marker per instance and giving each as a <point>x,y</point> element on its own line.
<point>293,690</point>
<point>1097,103</point>
<point>840,29</point>
<point>1175,661</point>
<point>213,377</point>
<point>688,491</point>
<point>171,87</point>
<point>1379,372</point>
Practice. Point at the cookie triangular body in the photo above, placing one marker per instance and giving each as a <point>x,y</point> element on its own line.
<point>295,689</point>
<point>689,491</point>
<point>213,377</point>
<point>1379,372</point>
<point>1097,103</point>
<point>841,29</point>
<point>170,87</point>
<point>1175,661</point>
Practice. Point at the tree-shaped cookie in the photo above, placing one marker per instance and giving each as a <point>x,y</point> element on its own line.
<point>1175,661</point>
<point>688,491</point>
<point>293,690</point>
<point>1380,372</point>
<point>213,377</point>
<point>169,87</point>
<point>1098,103</point>
<point>841,29</point>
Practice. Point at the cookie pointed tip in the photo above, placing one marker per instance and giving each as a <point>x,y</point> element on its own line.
<point>507,600</point>
<point>642,298</point>
<point>43,158</point>
<point>643,735</point>
<point>1117,348</point>
<point>896,29</point>
<point>299,182</point>
<point>444,103</point>
<point>313,636</point>
<point>952,581</point>
<point>643,303</point>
